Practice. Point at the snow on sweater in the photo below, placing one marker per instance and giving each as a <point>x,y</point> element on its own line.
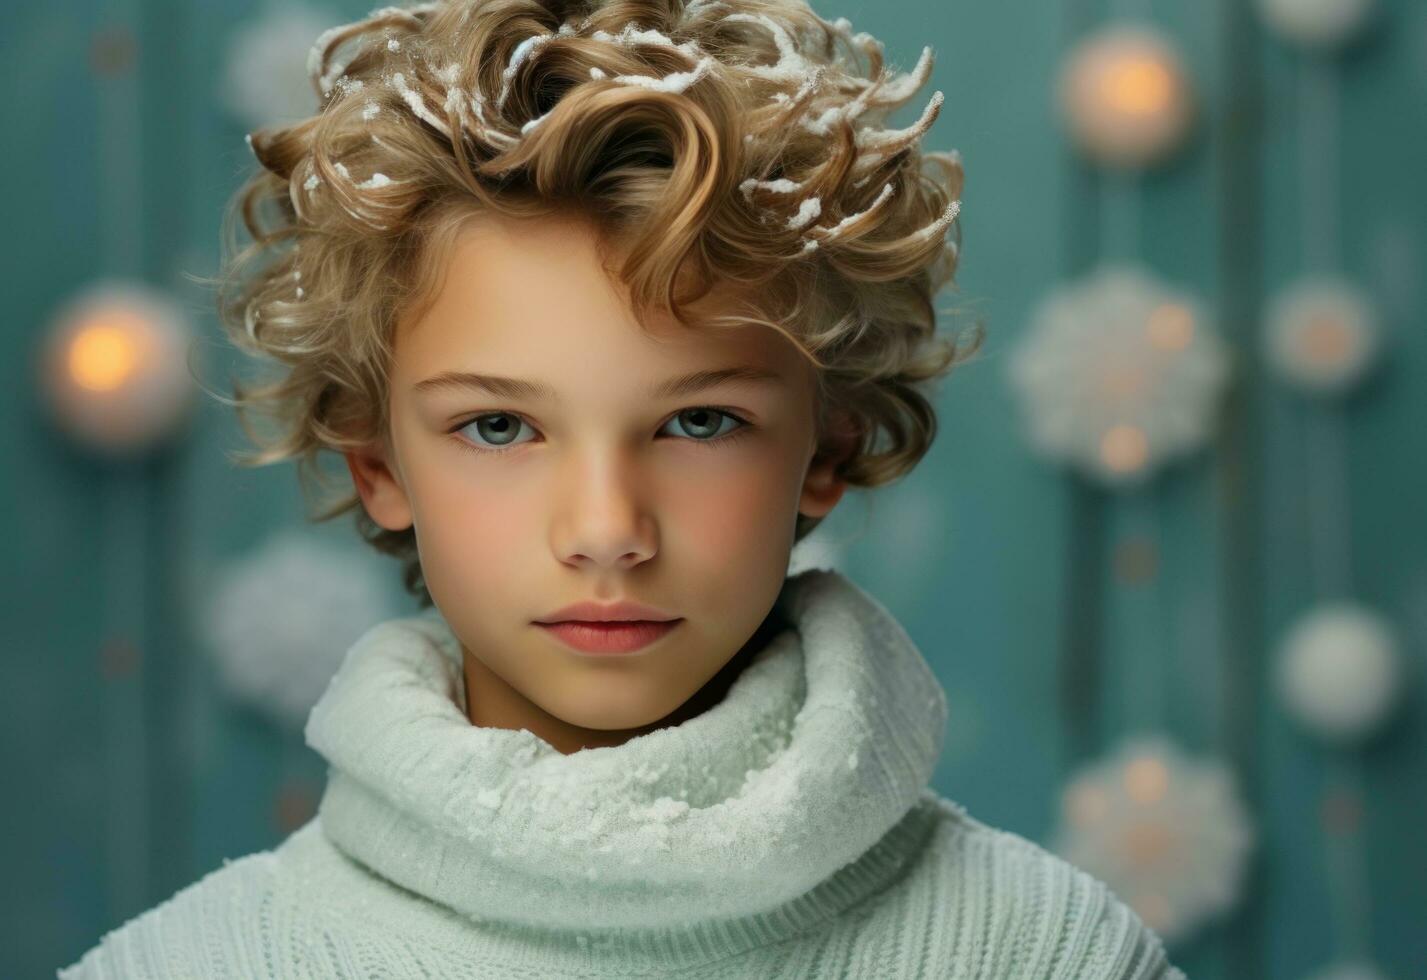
<point>786,832</point>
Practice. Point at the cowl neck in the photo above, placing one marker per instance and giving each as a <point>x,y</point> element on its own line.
<point>819,751</point>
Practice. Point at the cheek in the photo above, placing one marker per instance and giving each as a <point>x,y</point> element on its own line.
<point>736,516</point>
<point>730,537</point>
<point>730,508</point>
<point>463,524</point>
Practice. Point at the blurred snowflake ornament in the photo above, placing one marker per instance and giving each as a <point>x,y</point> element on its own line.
<point>1339,671</point>
<point>1316,23</point>
<point>265,80</point>
<point>1321,334</point>
<point>1168,834</point>
<point>1125,96</point>
<point>1118,373</point>
<point>280,619</point>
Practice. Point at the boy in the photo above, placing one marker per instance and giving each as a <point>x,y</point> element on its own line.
<point>605,306</point>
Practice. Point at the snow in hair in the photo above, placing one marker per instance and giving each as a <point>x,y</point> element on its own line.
<point>766,123</point>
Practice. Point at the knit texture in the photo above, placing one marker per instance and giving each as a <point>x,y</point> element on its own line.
<point>788,831</point>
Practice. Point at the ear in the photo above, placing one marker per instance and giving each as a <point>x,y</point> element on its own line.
<point>380,488</point>
<point>822,487</point>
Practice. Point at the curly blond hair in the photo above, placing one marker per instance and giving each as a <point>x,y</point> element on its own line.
<point>737,144</point>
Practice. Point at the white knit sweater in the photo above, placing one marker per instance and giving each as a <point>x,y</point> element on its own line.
<point>786,832</point>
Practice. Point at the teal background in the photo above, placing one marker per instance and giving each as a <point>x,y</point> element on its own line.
<point>133,775</point>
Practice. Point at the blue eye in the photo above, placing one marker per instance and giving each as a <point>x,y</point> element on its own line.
<point>701,417</point>
<point>500,428</point>
<point>498,425</point>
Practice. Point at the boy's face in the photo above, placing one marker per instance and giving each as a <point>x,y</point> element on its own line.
<point>606,492</point>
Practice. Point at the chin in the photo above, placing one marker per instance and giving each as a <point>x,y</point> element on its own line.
<point>604,714</point>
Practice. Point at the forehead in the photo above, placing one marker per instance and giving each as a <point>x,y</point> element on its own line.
<point>511,288</point>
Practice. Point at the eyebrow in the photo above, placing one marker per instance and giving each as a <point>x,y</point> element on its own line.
<point>672,388</point>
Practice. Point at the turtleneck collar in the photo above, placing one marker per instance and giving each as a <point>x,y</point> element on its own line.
<point>797,790</point>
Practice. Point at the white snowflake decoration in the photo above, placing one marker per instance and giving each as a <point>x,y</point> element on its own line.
<point>1126,96</point>
<point>280,619</point>
<point>1339,670</point>
<point>1316,23</point>
<point>1166,833</point>
<point>265,80</point>
<point>1321,334</point>
<point>1118,373</point>
<point>115,368</point>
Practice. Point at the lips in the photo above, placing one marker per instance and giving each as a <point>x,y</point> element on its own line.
<point>618,636</point>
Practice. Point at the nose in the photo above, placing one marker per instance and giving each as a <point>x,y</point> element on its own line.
<point>604,519</point>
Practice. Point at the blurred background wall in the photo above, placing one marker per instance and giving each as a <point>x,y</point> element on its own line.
<point>1172,575</point>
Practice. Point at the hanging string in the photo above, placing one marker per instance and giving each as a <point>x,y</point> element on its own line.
<point>122,659</point>
<point>1138,523</point>
<point>1120,215</point>
<point>123,507</point>
<point>1346,862</point>
<point>1119,218</point>
<point>1329,507</point>
<point>1329,517</point>
<point>1139,528</point>
<point>1318,170</point>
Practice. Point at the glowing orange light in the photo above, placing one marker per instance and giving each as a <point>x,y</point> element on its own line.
<point>1124,448</point>
<point>1325,340</point>
<point>1170,326</point>
<point>1146,779</point>
<point>104,354</point>
<point>1150,845</point>
<point>1137,85</point>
